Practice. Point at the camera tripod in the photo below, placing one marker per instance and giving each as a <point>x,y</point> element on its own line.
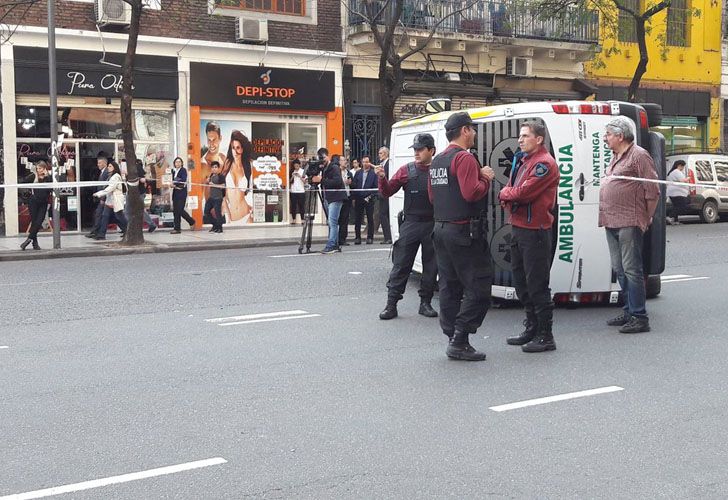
<point>312,194</point>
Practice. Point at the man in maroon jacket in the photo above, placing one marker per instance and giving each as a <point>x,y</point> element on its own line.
<point>529,198</point>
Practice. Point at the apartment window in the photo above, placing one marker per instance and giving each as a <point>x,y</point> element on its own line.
<point>678,23</point>
<point>627,26</point>
<point>288,7</point>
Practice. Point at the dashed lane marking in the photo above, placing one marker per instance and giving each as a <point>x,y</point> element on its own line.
<point>262,317</point>
<point>124,478</point>
<point>674,276</point>
<point>553,399</point>
<point>4,347</point>
<point>692,278</point>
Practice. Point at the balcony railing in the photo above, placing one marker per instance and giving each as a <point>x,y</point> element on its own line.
<point>505,18</point>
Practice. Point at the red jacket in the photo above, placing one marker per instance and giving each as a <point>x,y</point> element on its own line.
<point>530,195</point>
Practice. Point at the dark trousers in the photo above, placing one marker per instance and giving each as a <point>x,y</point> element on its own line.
<point>216,206</point>
<point>531,266</point>
<point>98,214</point>
<point>466,278</point>
<point>298,205</point>
<point>178,207</point>
<point>107,217</point>
<point>679,204</point>
<point>412,235</point>
<point>344,221</point>
<point>360,207</point>
<point>383,204</point>
<point>37,216</point>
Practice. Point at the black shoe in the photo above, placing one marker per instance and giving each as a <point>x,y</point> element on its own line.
<point>620,320</point>
<point>338,249</point>
<point>97,237</point>
<point>36,246</point>
<point>90,235</point>
<point>152,228</point>
<point>636,325</point>
<point>527,335</point>
<point>25,244</point>
<point>385,242</point>
<point>540,343</point>
<point>344,244</point>
<point>427,310</point>
<point>462,350</point>
<point>175,231</point>
<point>389,312</point>
<point>369,241</point>
<point>328,250</point>
<point>357,241</point>
<point>212,230</point>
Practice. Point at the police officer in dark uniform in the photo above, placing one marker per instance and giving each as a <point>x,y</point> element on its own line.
<point>458,190</point>
<point>416,228</point>
<point>530,197</point>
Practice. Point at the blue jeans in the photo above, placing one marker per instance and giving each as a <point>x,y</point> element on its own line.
<point>334,212</point>
<point>625,250</point>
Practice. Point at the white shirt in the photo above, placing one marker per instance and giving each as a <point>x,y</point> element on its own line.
<point>677,176</point>
<point>297,185</point>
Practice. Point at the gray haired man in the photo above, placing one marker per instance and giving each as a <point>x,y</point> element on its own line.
<point>626,208</point>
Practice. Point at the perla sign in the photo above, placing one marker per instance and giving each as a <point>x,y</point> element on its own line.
<point>566,203</point>
<point>109,81</point>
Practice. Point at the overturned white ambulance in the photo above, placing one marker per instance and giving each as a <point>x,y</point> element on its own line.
<point>580,270</point>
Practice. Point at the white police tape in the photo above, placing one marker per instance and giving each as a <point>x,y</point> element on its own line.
<point>668,183</point>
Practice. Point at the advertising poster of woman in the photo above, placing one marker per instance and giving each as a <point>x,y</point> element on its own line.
<point>228,142</point>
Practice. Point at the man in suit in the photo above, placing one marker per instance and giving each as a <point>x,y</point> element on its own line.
<point>365,196</point>
<point>383,202</point>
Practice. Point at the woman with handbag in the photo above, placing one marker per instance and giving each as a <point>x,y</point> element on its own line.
<point>115,201</point>
<point>38,204</point>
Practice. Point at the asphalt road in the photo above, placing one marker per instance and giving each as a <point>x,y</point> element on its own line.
<point>108,367</point>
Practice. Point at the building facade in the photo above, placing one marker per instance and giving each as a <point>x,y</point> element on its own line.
<point>209,79</point>
<point>489,52</point>
<point>683,74</point>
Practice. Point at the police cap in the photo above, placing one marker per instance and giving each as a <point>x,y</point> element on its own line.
<point>458,120</point>
<point>423,141</point>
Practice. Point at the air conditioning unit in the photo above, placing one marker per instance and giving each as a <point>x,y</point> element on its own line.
<point>112,12</point>
<point>519,66</point>
<point>252,30</point>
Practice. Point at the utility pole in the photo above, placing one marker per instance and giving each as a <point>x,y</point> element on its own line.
<point>52,91</point>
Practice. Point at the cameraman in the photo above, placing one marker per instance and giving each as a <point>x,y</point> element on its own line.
<point>334,196</point>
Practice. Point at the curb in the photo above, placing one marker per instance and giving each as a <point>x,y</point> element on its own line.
<point>115,249</point>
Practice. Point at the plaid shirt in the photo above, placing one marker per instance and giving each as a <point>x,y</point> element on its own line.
<point>624,203</point>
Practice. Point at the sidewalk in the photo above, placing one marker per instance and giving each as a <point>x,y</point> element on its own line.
<point>77,245</point>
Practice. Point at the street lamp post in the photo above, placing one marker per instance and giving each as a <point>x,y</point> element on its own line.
<point>52,90</point>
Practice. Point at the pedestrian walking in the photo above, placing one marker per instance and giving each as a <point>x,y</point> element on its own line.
<point>626,208</point>
<point>416,228</point>
<point>364,198</point>
<point>114,195</point>
<point>679,195</point>
<point>213,203</point>
<point>458,189</point>
<point>102,161</point>
<point>37,203</point>
<point>529,198</point>
<point>179,196</point>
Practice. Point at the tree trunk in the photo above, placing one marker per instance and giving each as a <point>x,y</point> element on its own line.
<point>644,59</point>
<point>134,232</point>
<point>390,88</point>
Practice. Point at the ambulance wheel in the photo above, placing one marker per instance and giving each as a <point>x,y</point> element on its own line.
<point>709,212</point>
<point>653,286</point>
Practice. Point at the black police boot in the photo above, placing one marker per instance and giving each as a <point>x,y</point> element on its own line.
<point>426,309</point>
<point>459,348</point>
<point>544,339</point>
<point>390,311</point>
<point>36,246</point>
<point>531,324</point>
<point>24,244</point>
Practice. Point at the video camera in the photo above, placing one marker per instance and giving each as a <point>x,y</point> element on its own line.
<point>314,167</point>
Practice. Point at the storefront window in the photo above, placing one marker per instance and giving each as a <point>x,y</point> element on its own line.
<point>682,134</point>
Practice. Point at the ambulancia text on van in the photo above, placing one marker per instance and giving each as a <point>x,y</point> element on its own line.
<point>580,270</point>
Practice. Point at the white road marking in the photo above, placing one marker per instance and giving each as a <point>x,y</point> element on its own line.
<point>697,278</point>
<point>124,478</point>
<point>30,283</point>
<point>355,272</point>
<point>256,316</point>
<point>317,253</point>
<point>269,319</point>
<point>4,347</point>
<point>674,276</point>
<point>552,399</point>
<point>202,271</point>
